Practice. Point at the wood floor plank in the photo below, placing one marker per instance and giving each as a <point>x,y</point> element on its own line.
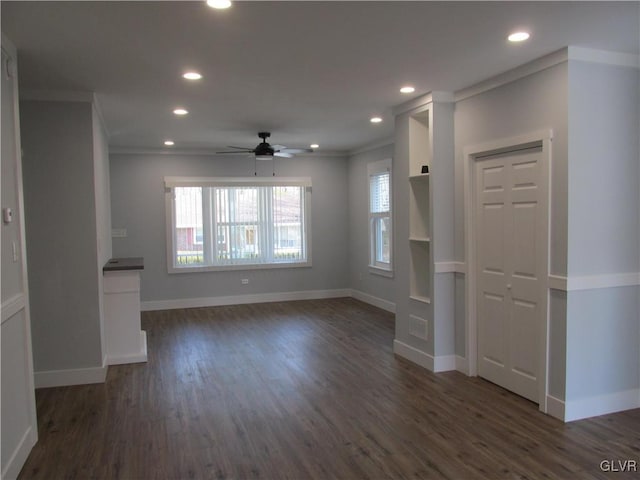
<point>305,390</point>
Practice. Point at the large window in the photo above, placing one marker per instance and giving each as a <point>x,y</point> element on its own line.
<point>234,223</point>
<point>380,226</point>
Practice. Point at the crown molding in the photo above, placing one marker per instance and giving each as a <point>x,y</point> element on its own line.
<point>57,96</point>
<point>415,103</point>
<point>604,57</point>
<point>372,146</point>
<point>207,151</point>
<point>561,56</point>
<point>535,66</point>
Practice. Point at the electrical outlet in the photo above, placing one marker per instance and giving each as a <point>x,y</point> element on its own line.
<point>245,281</point>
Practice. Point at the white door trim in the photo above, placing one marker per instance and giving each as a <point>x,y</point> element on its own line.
<point>470,155</point>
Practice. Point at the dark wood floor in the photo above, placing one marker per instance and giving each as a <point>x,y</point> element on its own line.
<point>304,390</point>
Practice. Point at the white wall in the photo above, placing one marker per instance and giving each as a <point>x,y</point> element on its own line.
<point>373,287</point>
<point>103,206</point>
<point>61,224</point>
<point>138,205</point>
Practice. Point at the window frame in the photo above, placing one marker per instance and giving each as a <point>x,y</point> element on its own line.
<point>377,267</point>
<point>231,182</point>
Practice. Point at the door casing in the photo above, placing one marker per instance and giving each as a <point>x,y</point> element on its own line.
<point>471,154</point>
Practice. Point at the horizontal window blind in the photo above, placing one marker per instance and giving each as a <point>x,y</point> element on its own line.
<point>379,192</point>
<point>234,224</point>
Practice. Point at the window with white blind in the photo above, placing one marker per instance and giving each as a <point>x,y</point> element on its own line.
<point>380,221</point>
<point>237,223</point>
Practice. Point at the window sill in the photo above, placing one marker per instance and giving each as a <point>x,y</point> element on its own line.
<point>383,272</point>
<point>251,266</point>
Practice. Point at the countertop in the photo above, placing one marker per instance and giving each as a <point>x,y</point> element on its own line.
<point>128,263</point>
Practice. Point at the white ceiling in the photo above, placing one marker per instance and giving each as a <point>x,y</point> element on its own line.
<point>309,72</point>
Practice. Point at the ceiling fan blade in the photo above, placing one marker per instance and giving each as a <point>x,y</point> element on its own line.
<point>278,147</point>
<point>297,150</point>
<point>283,154</point>
<point>236,152</point>
<point>241,148</point>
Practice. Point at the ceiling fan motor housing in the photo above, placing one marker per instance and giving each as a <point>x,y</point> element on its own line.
<point>264,149</point>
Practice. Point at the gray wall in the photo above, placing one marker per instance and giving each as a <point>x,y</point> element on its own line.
<point>360,278</point>
<point>593,109</point>
<point>138,205</point>
<point>533,103</point>
<point>604,232</point>
<point>603,325</point>
<point>60,210</point>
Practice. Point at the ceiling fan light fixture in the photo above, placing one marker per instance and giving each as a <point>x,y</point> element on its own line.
<point>264,157</point>
<point>219,4</point>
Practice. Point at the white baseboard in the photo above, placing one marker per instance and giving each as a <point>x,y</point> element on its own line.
<point>413,354</point>
<point>19,456</point>
<point>242,299</point>
<point>442,363</point>
<point>462,365</point>
<point>375,301</point>
<point>555,407</point>
<point>601,404</point>
<point>137,357</point>
<point>64,378</point>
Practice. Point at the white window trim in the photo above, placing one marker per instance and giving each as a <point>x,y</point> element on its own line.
<point>170,216</point>
<point>374,168</point>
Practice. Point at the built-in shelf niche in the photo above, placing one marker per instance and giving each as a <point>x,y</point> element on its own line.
<point>419,271</point>
<point>419,143</point>
<point>419,207</point>
<point>424,138</point>
<point>419,212</point>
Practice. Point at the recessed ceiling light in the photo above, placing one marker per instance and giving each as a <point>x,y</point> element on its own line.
<point>219,4</point>
<point>375,120</point>
<point>407,89</point>
<point>169,143</point>
<point>314,145</point>
<point>180,111</point>
<point>518,37</point>
<point>192,76</point>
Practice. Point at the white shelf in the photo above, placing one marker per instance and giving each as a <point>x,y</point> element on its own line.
<point>419,298</point>
<point>419,177</point>
<point>420,239</point>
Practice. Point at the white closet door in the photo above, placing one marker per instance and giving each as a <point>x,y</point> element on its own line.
<point>511,252</point>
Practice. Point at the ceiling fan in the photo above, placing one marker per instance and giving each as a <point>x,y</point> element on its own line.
<point>266,151</point>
